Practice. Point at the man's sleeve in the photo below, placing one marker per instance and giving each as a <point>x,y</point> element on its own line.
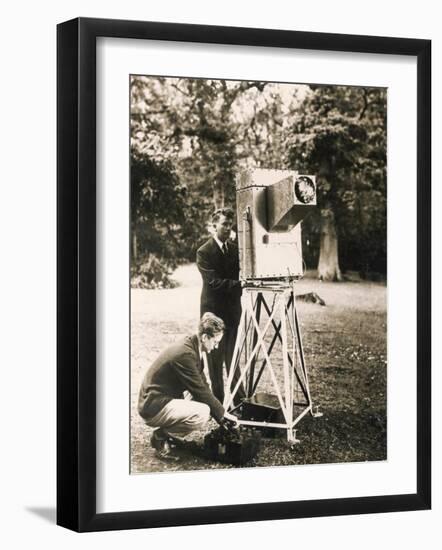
<point>211,276</point>
<point>193,380</point>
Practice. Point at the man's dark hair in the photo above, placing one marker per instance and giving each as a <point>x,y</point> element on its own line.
<point>210,324</point>
<point>227,212</point>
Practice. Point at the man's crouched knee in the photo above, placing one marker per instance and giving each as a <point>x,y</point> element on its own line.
<point>201,415</point>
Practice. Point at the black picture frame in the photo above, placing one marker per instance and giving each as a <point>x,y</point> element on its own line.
<point>77,287</point>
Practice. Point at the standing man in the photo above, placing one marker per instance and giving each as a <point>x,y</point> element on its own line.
<point>178,369</point>
<point>218,263</point>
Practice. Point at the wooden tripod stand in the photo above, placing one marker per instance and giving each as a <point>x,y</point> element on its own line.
<point>269,345</point>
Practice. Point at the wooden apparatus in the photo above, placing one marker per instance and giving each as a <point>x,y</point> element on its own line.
<point>269,355</point>
<point>270,206</point>
<point>268,351</point>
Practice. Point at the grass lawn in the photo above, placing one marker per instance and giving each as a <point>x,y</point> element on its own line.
<point>345,346</point>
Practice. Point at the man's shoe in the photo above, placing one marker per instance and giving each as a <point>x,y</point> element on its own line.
<point>176,441</point>
<point>165,452</point>
<point>157,438</point>
<point>160,442</point>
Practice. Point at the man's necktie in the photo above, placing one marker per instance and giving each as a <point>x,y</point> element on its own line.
<point>224,248</point>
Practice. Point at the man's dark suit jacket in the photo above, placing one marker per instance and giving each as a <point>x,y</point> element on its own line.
<point>176,369</point>
<point>221,293</point>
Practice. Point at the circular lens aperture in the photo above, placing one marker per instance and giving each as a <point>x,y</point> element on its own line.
<point>305,189</point>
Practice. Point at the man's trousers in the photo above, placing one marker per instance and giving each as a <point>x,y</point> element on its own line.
<point>179,417</point>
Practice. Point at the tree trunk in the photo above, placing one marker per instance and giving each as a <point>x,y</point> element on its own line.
<point>134,244</point>
<point>218,194</point>
<point>328,265</point>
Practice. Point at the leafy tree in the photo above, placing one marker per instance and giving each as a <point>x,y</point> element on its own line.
<point>340,134</point>
<point>189,137</point>
<point>157,207</point>
<point>205,130</point>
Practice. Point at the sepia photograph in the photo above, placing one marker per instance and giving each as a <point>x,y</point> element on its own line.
<point>258,272</point>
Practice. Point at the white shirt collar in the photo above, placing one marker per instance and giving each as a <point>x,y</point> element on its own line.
<point>203,354</point>
<point>218,242</point>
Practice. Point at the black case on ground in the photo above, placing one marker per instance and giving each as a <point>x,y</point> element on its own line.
<point>237,448</point>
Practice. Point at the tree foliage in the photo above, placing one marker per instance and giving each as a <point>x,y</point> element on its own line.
<point>202,131</point>
<point>158,206</point>
<point>340,135</point>
<point>189,137</point>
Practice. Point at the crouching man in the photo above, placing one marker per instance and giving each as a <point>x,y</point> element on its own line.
<point>177,370</point>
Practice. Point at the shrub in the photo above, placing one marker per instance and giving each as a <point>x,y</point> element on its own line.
<point>151,271</point>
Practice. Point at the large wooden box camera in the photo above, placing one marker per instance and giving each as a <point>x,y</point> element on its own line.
<point>270,205</point>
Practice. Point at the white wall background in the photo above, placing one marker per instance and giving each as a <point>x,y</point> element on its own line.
<point>27,288</point>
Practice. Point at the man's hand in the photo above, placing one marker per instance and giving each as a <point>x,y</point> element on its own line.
<point>228,425</point>
<point>232,418</point>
